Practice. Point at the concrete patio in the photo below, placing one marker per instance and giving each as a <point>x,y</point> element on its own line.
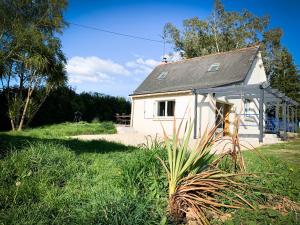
<point>128,136</point>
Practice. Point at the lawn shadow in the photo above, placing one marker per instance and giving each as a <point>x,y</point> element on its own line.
<point>94,146</point>
<point>16,142</point>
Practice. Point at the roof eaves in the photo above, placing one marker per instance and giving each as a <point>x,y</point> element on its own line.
<point>179,89</point>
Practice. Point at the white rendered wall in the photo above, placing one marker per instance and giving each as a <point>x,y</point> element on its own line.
<point>206,109</point>
<point>257,72</point>
<point>146,123</point>
<point>256,75</point>
<point>183,102</point>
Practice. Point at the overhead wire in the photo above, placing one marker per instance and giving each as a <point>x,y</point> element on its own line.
<point>117,33</point>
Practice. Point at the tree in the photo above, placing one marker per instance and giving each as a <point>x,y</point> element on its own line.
<point>286,76</point>
<point>221,31</point>
<point>224,31</point>
<point>30,54</point>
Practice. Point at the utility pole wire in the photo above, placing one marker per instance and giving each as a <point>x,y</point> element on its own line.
<point>117,33</point>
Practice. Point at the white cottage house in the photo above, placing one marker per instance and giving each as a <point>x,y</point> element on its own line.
<point>204,89</point>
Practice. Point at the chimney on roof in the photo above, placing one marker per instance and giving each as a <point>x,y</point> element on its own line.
<point>164,60</point>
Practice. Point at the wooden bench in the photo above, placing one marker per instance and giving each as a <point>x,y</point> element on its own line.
<point>123,119</point>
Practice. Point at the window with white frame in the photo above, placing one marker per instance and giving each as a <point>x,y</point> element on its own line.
<point>166,108</point>
<point>247,108</point>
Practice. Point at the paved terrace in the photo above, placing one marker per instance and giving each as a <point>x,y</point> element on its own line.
<point>128,136</point>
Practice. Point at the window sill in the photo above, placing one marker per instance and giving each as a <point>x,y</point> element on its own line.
<point>165,118</point>
<point>249,119</point>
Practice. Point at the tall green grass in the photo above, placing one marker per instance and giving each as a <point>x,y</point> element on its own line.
<point>58,182</point>
<point>48,179</point>
<point>49,184</point>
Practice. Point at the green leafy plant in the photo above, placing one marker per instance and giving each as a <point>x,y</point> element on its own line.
<point>196,187</point>
<point>181,160</point>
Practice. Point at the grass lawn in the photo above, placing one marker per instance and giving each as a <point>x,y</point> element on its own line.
<point>46,178</point>
<point>288,152</point>
<point>68,129</point>
<point>278,167</point>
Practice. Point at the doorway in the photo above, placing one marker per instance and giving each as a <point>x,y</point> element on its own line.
<point>222,117</point>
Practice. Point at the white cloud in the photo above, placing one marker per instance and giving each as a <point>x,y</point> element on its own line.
<point>106,76</point>
<point>94,69</point>
<point>174,57</point>
<point>142,66</point>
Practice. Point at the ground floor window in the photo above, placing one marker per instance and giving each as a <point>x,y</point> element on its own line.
<point>166,108</point>
<point>247,109</point>
<point>249,113</point>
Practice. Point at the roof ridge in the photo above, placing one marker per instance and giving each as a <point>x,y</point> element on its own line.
<point>213,54</point>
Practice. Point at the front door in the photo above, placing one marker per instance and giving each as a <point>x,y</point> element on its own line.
<point>222,117</point>
<point>227,109</point>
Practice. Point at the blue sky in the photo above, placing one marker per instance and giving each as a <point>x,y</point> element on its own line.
<point>116,65</point>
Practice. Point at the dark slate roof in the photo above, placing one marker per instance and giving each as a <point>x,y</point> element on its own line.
<point>193,73</point>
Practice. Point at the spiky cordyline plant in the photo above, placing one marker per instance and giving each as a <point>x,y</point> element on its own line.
<point>196,187</point>
<point>203,194</point>
<point>183,161</point>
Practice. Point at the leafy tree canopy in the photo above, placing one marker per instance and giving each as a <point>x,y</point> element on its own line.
<point>30,53</point>
<point>228,30</point>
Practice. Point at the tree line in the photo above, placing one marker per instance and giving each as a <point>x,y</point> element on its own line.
<point>63,102</point>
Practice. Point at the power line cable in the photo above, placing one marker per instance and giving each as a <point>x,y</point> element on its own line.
<point>117,33</point>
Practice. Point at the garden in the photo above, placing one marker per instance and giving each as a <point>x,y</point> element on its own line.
<point>46,177</point>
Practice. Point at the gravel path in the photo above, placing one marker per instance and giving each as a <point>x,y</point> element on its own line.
<point>128,136</point>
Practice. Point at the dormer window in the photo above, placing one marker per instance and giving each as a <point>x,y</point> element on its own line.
<point>214,67</point>
<point>162,75</point>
